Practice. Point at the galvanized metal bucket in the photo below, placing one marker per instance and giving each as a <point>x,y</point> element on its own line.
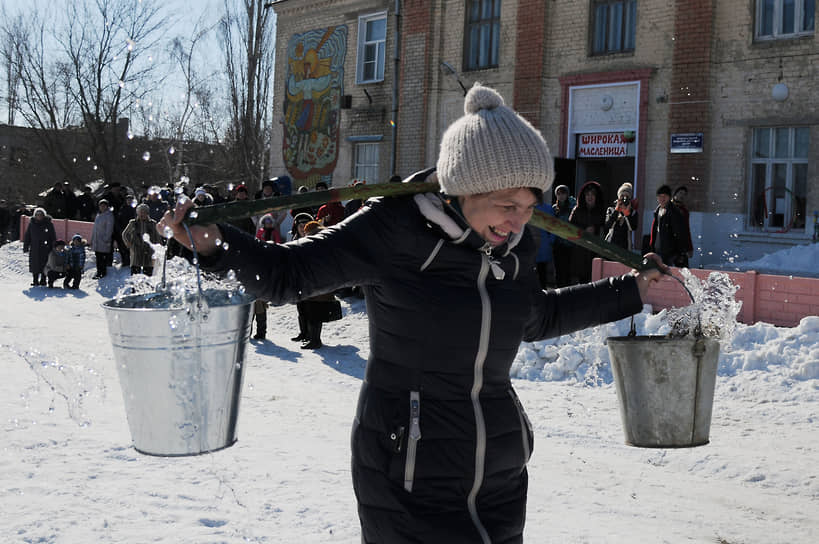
<point>181,371</point>
<point>665,388</point>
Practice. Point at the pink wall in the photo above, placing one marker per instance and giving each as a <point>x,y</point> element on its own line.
<point>64,228</point>
<point>779,300</point>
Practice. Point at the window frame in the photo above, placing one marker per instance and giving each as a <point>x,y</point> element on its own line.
<point>776,23</point>
<point>381,49</point>
<point>624,28</point>
<point>358,166</point>
<point>494,20</point>
<point>770,162</point>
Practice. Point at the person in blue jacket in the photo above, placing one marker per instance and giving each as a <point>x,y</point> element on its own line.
<point>440,441</point>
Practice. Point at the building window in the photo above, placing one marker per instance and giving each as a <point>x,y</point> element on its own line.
<point>482,34</point>
<point>779,175</point>
<point>614,25</point>
<point>366,162</point>
<point>372,44</point>
<point>784,18</point>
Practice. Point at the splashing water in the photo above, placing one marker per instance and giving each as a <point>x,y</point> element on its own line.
<point>714,311</point>
<point>72,384</point>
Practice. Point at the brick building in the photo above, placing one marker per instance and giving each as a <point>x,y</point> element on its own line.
<point>716,96</point>
<point>27,169</point>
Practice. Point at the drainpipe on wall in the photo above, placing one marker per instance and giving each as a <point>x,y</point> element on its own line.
<point>395,71</point>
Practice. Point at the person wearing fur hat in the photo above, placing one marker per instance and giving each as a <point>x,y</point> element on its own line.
<point>138,236</point>
<point>440,441</point>
<point>75,262</point>
<point>621,218</point>
<point>37,242</point>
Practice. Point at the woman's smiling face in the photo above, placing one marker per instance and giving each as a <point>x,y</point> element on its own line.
<point>497,215</point>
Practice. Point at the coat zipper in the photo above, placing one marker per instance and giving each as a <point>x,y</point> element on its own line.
<point>412,439</point>
<point>477,384</point>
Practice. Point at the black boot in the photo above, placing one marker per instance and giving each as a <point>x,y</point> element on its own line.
<point>302,329</point>
<point>313,335</point>
<point>36,280</point>
<point>261,326</point>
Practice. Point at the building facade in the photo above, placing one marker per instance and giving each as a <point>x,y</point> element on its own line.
<point>714,96</point>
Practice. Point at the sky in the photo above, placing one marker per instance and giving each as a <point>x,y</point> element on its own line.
<point>70,473</point>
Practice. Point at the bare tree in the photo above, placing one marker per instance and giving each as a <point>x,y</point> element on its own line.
<point>190,117</point>
<point>11,34</point>
<point>83,68</point>
<point>247,40</point>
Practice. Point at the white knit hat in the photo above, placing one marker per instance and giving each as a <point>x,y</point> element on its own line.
<point>625,188</point>
<point>492,148</point>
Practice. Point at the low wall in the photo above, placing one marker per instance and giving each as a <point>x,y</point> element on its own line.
<point>778,300</point>
<point>63,228</point>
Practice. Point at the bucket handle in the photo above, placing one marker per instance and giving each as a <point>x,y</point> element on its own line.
<point>697,331</point>
<point>204,315</point>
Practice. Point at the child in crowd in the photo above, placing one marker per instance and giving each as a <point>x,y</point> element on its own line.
<point>75,262</point>
<point>57,263</point>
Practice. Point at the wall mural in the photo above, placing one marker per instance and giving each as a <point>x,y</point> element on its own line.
<point>315,76</point>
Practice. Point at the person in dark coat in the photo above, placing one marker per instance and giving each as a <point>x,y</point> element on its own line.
<point>37,242</point>
<point>75,262</point>
<point>245,224</point>
<point>590,215</point>
<point>440,441</point>
<point>668,233</point>
<point>621,218</point>
<point>86,207</point>
<point>678,198</point>
<point>56,202</point>
<point>562,249</point>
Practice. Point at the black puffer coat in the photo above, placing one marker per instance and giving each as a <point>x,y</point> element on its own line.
<point>440,441</point>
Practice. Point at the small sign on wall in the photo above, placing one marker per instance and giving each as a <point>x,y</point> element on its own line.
<point>687,142</point>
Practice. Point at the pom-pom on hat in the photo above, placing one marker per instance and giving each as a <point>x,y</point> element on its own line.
<point>492,148</point>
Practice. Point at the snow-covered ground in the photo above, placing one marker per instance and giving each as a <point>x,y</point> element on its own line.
<point>69,472</point>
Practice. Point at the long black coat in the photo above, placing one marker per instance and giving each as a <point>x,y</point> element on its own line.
<point>440,440</point>
<point>38,241</point>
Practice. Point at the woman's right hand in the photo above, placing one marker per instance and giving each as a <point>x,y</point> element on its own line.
<point>204,236</point>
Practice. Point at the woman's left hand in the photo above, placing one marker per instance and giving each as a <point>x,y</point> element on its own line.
<point>647,278</point>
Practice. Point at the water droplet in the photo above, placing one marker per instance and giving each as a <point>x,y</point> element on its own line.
<point>231,275</point>
<point>168,232</point>
<point>194,214</point>
<point>121,84</point>
<point>182,199</point>
<point>218,242</point>
<point>146,156</point>
<point>206,235</point>
<point>172,150</point>
<point>225,246</point>
<point>130,135</point>
<point>146,238</point>
<point>173,322</point>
